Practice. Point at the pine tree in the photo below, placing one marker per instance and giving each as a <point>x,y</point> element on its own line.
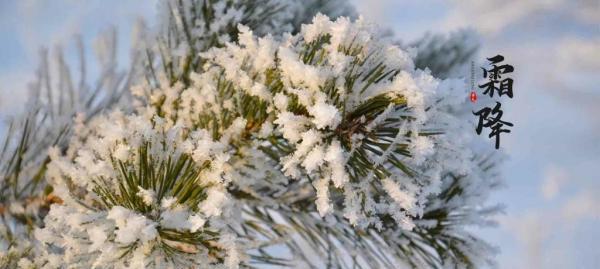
<point>252,134</point>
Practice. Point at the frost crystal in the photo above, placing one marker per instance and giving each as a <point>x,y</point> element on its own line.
<point>136,211</point>
<point>323,140</point>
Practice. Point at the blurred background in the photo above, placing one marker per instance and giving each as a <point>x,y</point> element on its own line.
<point>552,174</point>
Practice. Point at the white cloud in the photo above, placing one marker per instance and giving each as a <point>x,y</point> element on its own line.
<point>530,234</point>
<point>491,17</point>
<point>549,237</point>
<point>587,10</point>
<point>582,206</point>
<point>554,179</point>
<point>578,54</point>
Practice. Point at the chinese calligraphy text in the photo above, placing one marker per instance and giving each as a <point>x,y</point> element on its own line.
<point>498,83</point>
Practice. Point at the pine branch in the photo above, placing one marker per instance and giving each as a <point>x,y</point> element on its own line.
<point>47,122</point>
<point>327,143</point>
<point>446,55</point>
<point>194,26</point>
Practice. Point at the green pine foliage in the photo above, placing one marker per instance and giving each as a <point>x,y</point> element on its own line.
<point>209,162</point>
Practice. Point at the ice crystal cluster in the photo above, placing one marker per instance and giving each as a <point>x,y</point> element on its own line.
<point>252,139</point>
<point>138,193</point>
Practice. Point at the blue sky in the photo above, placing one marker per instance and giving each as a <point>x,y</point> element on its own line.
<point>553,171</point>
<point>553,185</point>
